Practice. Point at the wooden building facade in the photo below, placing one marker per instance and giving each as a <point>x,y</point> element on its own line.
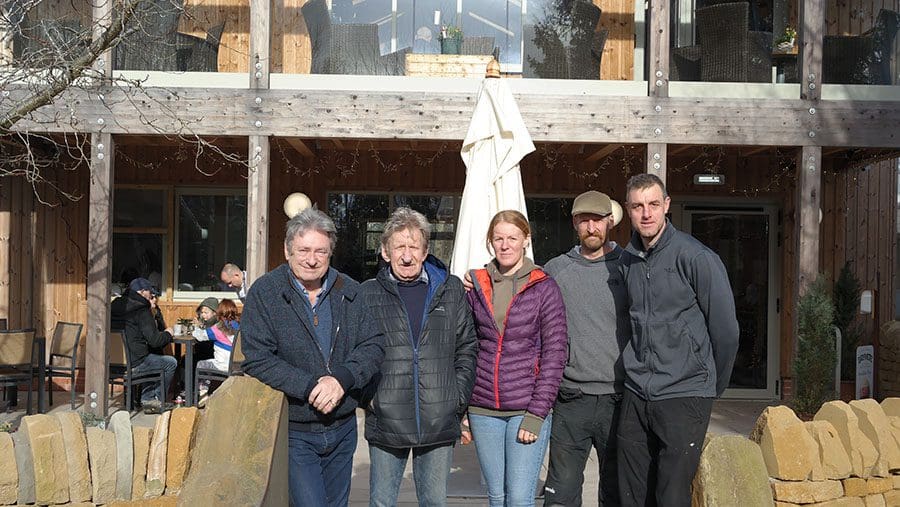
<point>819,170</point>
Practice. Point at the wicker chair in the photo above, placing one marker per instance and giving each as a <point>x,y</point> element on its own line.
<point>17,362</point>
<point>729,51</point>
<point>548,56</point>
<point>685,63</point>
<point>477,46</point>
<point>150,41</point>
<point>199,54</point>
<point>866,59</point>
<point>342,48</point>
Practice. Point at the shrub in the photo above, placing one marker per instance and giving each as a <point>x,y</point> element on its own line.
<point>846,305</point>
<point>815,360</point>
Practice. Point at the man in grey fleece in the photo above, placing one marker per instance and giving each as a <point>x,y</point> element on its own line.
<point>683,342</point>
<point>587,407</point>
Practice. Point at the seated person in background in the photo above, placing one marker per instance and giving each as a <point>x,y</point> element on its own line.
<point>221,334</point>
<point>236,279</point>
<point>206,318</point>
<point>145,336</point>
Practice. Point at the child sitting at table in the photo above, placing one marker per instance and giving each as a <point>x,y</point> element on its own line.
<point>221,334</point>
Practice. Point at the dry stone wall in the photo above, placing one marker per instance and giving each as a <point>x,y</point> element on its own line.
<point>889,359</point>
<point>55,460</point>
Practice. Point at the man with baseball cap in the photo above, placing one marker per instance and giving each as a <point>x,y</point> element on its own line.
<point>145,334</point>
<point>587,406</point>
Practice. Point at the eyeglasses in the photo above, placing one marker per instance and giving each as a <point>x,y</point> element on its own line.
<point>305,253</point>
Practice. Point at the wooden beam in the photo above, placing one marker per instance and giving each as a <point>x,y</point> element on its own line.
<point>658,51</point>
<point>602,152</point>
<point>812,12</point>
<point>338,144</point>
<point>258,208</point>
<point>656,160</point>
<point>594,119</point>
<point>750,151</point>
<point>99,274</point>
<point>260,35</point>
<point>300,146</point>
<point>809,202</point>
<point>678,149</point>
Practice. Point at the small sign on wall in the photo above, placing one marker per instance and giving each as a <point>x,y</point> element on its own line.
<point>865,371</point>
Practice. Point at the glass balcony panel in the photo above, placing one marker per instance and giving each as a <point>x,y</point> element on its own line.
<point>45,35</point>
<point>860,45</point>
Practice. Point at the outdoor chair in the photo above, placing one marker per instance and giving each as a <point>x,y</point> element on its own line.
<point>478,46</point>
<point>149,38</point>
<point>64,356</point>
<point>729,52</point>
<point>684,63</point>
<point>120,372</point>
<point>862,59</point>
<point>17,361</point>
<point>198,54</point>
<point>234,368</point>
<point>567,45</point>
<point>48,42</point>
<point>347,48</point>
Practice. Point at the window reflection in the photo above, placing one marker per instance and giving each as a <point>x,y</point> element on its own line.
<point>212,230</point>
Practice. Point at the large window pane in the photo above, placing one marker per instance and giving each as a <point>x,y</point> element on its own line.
<point>551,226</point>
<point>135,207</point>
<point>359,220</point>
<point>500,19</point>
<point>212,230</point>
<point>134,256</point>
<point>376,12</point>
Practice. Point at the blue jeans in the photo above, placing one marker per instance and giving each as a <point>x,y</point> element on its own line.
<point>321,463</point>
<point>431,469</point>
<point>156,362</point>
<point>510,468</point>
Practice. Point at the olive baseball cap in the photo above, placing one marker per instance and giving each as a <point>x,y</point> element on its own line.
<point>597,203</point>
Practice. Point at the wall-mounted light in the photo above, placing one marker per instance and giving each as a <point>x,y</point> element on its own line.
<point>295,203</point>
<point>709,179</point>
<point>866,300</point>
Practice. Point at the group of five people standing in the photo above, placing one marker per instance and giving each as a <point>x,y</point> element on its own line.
<point>620,349</point>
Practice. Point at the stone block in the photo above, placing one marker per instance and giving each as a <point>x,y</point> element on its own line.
<point>806,491</point>
<point>892,497</point>
<point>252,468</point>
<point>877,485</point>
<point>874,501</point>
<point>102,455</point>
<point>181,437</point>
<point>24,467</point>
<point>896,481</point>
<point>120,425</point>
<point>875,425</point>
<point>846,501</point>
<point>141,440</point>
<point>855,486</point>
<point>790,453</point>
<point>51,474</point>
<point>156,460</point>
<point>160,501</point>
<point>731,472</point>
<point>891,407</point>
<point>859,448</point>
<point>834,459</point>
<point>76,456</point>
<point>9,475</point>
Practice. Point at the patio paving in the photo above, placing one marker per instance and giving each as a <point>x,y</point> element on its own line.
<point>466,486</point>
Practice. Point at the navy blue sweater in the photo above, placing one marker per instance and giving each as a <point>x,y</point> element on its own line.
<point>280,348</point>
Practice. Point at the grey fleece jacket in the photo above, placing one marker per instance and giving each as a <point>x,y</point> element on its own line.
<point>684,332</point>
<point>597,318</point>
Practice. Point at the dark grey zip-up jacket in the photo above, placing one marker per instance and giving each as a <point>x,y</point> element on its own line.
<point>423,389</point>
<point>280,347</point>
<point>684,332</point>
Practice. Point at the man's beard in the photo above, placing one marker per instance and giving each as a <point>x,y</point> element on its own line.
<point>593,242</point>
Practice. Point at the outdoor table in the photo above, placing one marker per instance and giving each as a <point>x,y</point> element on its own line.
<point>188,342</point>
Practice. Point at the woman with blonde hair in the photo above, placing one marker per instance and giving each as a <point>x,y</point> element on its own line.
<point>522,350</point>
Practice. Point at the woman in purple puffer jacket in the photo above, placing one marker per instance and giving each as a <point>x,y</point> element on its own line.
<point>522,350</point>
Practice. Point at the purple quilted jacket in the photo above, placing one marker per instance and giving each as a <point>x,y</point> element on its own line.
<point>521,368</point>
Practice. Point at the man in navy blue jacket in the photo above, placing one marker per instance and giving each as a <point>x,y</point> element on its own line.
<point>307,333</point>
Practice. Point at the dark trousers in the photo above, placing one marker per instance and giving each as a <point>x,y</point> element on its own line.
<point>659,449</point>
<point>582,421</point>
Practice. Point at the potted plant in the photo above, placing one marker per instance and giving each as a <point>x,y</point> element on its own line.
<point>451,39</point>
<point>185,326</point>
<point>815,359</point>
<point>785,42</point>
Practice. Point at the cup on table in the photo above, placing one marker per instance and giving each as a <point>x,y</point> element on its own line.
<point>179,329</point>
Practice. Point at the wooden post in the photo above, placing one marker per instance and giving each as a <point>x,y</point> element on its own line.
<point>99,263</point>
<point>259,149</point>
<point>99,271</point>
<point>809,201</point>
<point>659,49</point>
<point>656,160</point>
<point>812,12</point>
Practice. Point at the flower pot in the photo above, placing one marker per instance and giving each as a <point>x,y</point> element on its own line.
<point>451,45</point>
<point>848,390</point>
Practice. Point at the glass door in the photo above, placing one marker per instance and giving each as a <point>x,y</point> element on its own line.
<point>745,239</point>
